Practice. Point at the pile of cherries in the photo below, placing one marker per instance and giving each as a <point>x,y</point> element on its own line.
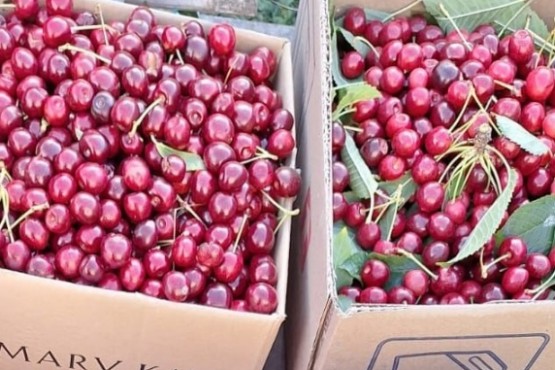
<point>141,157</point>
<point>425,77</point>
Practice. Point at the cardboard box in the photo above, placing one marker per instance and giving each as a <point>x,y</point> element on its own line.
<point>320,335</point>
<point>57,325</point>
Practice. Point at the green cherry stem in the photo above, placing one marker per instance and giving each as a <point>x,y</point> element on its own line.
<point>145,113</point>
<point>367,43</point>
<point>279,206</point>
<point>417,262</point>
<point>538,291</point>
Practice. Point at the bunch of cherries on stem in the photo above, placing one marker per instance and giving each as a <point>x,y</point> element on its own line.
<point>439,90</point>
<point>142,157</point>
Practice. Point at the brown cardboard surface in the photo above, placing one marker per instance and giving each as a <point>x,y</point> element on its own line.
<point>441,338</point>
<point>308,291</point>
<point>320,336</point>
<point>49,324</point>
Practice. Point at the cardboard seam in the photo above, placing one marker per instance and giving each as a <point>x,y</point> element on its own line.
<point>325,37</point>
<point>325,319</point>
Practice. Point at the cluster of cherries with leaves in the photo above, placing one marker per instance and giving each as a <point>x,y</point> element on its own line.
<point>438,139</point>
<point>141,157</point>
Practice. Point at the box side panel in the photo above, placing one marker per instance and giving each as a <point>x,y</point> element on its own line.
<point>47,322</point>
<point>501,336</point>
<point>43,315</point>
<point>495,336</point>
<point>308,271</point>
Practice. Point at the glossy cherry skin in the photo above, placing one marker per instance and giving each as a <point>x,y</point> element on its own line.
<point>115,250</point>
<point>261,298</point>
<point>85,208</point>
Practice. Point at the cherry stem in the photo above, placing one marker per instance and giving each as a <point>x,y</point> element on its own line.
<point>101,16</point>
<point>228,74</point>
<point>239,233</point>
<point>396,202</point>
<point>280,223</point>
<point>460,185</point>
<point>504,85</point>
<point>166,242</point>
<point>482,109</point>
<point>492,100</point>
<point>170,59</point>
<point>92,27</point>
<point>29,212</point>
<point>454,149</point>
<point>352,128</point>
<point>446,13</point>
<point>538,291</point>
<point>484,269</point>
<point>463,109</point>
<point>189,209</point>
<point>78,49</point>
<point>417,262</point>
<point>267,154</point>
<point>143,115</point>
<point>279,206</point>
<point>175,223</point>
<point>179,56</point>
<point>344,113</point>
<point>44,125</point>
<point>485,161</point>
<point>367,43</point>
<point>452,163</point>
<point>501,156</point>
<point>371,210</point>
<point>402,10</point>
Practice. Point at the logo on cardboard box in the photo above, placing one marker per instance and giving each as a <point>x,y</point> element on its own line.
<point>51,360</point>
<point>486,352</point>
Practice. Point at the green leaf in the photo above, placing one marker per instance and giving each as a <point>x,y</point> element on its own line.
<point>489,222</point>
<point>372,15</point>
<point>362,180</point>
<point>345,255</point>
<point>468,14</point>
<point>193,161</point>
<point>336,65</point>
<point>355,41</point>
<point>351,197</point>
<point>342,278</point>
<point>398,266</point>
<point>409,186</point>
<point>353,264</point>
<point>519,135</point>
<point>344,302</point>
<point>534,223</point>
<point>407,190</point>
<point>355,93</point>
